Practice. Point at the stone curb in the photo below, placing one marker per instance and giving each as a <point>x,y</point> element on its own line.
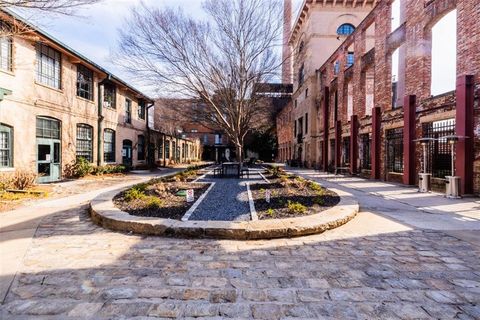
<point>104,213</point>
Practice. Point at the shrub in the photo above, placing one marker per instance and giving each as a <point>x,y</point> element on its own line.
<point>296,207</point>
<point>23,179</point>
<point>315,186</point>
<point>6,181</point>
<point>108,169</point>
<point>319,200</point>
<point>82,167</point>
<point>153,202</point>
<point>270,212</point>
<point>136,192</point>
<point>276,172</point>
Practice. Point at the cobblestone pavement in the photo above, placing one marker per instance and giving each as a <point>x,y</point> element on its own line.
<point>370,268</point>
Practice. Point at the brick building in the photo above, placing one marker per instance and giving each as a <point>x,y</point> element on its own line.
<point>376,97</point>
<point>57,105</point>
<point>284,125</point>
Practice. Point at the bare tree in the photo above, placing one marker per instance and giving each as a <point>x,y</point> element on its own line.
<point>218,61</point>
<point>58,6</point>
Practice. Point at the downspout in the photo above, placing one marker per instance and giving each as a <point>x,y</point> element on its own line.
<point>149,156</point>
<point>100,124</point>
<point>163,146</point>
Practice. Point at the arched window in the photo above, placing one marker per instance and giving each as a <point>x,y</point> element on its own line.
<point>345,29</point>
<point>85,142</point>
<point>109,145</point>
<point>141,148</point>
<point>6,146</point>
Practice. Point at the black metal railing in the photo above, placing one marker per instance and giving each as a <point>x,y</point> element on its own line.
<point>394,140</point>
<point>439,160</point>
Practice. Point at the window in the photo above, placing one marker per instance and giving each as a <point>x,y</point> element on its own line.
<point>294,128</point>
<point>218,139</point>
<point>84,82</point>
<point>141,148</point>
<point>301,74</point>
<point>167,149</point>
<point>6,53</point>
<point>306,93</point>
<point>205,139</point>
<point>295,103</point>
<point>306,123</point>
<point>109,145</point>
<point>128,111</point>
<point>336,67</point>
<point>141,109</point>
<point>365,151</point>
<point>439,161</point>
<point>350,59</point>
<point>6,146</point>
<point>109,95</point>
<point>395,150</point>
<point>345,29</point>
<point>301,46</point>
<point>85,142</point>
<point>346,151</point>
<point>48,66</point>
<point>160,148</point>
<point>48,128</point>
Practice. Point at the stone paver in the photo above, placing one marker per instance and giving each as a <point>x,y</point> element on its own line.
<point>377,266</point>
<point>388,270</point>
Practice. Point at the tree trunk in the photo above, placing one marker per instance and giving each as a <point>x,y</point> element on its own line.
<point>239,150</point>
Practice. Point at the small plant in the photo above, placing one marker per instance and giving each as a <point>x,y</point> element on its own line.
<point>153,202</point>
<point>136,193</point>
<point>82,167</point>
<point>315,186</point>
<point>270,212</point>
<point>319,200</point>
<point>276,172</point>
<point>262,190</point>
<point>23,179</point>
<point>6,181</point>
<point>296,207</point>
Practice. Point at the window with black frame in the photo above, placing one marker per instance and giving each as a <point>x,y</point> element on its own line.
<point>167,149</point>
<point>109,95</point>
<point>85,142</point>
<point>141,109</point>
<point>128,111</point>
<point>141,148</point>
<point>48,66</point>
<point>365,152</point>
<point>6,146</point>
<point>394,138</point>
<point>439,159</point>
<point>346,151</point>
<point>84,82</point>
<point>160,148</point>
<point>109,145</point>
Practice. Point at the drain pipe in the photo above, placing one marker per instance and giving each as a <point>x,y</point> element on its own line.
<point>100,123</point>
<point>149,156</point>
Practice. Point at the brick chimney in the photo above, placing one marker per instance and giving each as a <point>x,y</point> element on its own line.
<point>286,54</point>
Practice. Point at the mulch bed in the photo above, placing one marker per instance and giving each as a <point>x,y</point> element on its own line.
<point>172,205</point>
<point>298,192</point>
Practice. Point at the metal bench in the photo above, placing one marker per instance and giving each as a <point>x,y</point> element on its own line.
<point>244,171</point>
<point>218,172</point>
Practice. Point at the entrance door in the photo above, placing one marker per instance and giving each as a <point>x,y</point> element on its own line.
<point>48,160</point>
<point>48,149</point>
<point>127,153</point>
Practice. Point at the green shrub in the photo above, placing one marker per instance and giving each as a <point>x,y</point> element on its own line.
<point>296,207</point>
<point>135,193</point>
<point>108,169</point>
<point>6,181</point>
<point>319,200</point>
<point>315,186</point>
<point>153,202</point>
<point>270,212</point>
<point>82,167</point>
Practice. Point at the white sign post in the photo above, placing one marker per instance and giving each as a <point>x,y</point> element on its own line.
<point>267,196</point>
<point>190,195</point>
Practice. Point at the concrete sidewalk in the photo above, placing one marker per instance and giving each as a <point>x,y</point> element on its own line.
<point>404,204</point>
<point>17,227</point>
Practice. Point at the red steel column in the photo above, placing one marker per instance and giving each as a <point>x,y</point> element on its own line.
<point>325,106</point>
<point>464,155</point>
<point>338,143</point>
<point>409,110</point>
<point>375,145</point>
<point>353,144</point>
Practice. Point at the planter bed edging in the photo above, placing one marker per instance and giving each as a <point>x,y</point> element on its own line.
<point>104,213</point>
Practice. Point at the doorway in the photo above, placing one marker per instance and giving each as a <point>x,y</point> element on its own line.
<point>127,153</point>
<point>48,150</point>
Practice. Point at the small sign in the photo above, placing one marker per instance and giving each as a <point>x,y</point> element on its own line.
<point>48,157</point>
<point>267,196</point>
<point>190,197</point>
<point>124,152</point>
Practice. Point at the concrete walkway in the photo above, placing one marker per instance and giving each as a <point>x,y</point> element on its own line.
<point>432,211</point>
<point>17,227</point>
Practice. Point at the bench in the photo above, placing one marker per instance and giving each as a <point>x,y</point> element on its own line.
<point>218,172</point>
<point>244,171</point>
